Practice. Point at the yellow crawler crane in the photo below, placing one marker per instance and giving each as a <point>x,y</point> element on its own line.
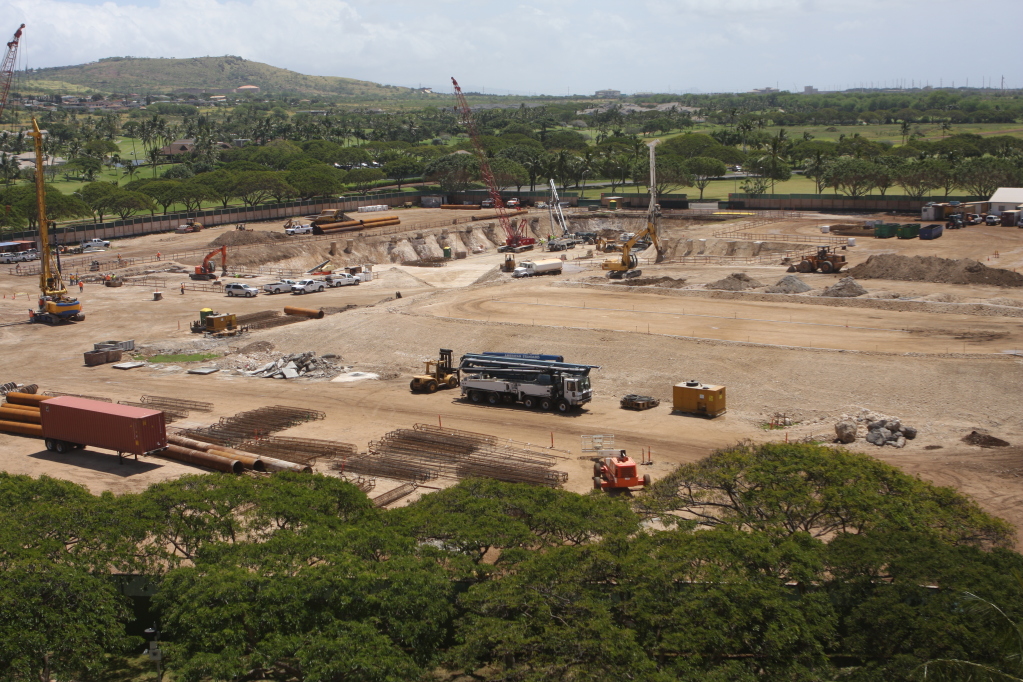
<point>55,305</point>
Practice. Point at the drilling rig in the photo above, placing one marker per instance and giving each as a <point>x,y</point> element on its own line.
<point>55,305</point>
<point>516,241</point>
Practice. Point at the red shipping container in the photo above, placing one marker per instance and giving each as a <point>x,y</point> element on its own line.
<point>122,428</point>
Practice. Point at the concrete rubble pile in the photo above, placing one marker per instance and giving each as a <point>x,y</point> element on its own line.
<point>300,365</point>
<point>876,429</point>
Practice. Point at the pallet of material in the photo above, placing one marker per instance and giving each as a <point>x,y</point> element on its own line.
<point>639,402</point>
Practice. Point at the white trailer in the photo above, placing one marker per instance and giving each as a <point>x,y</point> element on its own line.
<point>530,268</point>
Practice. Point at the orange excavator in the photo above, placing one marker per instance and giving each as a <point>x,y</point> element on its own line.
<point>208,270</point>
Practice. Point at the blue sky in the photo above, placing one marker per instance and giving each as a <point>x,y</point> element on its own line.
<point>555,47</point>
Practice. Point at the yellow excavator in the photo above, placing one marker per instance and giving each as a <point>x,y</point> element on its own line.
<point>626,265</point>
<point>55,305</point>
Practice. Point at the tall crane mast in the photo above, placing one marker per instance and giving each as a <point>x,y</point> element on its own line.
<point>554,208</point>
<point>7,69</point>
<point>516,240</point>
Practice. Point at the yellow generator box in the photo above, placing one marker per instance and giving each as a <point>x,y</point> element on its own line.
<point>697,398</point>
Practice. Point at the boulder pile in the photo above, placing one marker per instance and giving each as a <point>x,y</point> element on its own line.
<point>300,365</point>
<point>876,429</point>
<point>847,287</point>
<point>790,284</point>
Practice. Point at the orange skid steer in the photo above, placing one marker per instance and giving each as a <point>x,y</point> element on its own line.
<point>612,473</point>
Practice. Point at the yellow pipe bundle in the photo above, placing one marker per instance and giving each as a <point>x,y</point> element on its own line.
<point>25,416</point>
<point>27,399</point>
<point>22,428</point>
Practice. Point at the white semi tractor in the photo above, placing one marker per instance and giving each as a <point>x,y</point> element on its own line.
<point>536,384</point>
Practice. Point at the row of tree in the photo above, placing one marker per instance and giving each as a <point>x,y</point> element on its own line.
<point>772,562</point>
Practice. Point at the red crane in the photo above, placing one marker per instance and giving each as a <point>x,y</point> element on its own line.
<point>517,241</point>
<point>7,70</point>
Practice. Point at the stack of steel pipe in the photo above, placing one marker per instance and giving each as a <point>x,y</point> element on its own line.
<point>18,417</point>
<point>201,458</point>
<point>248,460</point>
<point>348,225</point>
<point>158,402</point>
<point>390,496</point>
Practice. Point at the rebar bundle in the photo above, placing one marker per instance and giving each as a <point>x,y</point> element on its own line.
<point>58,394</point>
<point>255,425</point>
<point>450,453</point>
<point>363,484</point>
<point>403,490</point>
<point>177,403</point>
<point>169,416</point>
<point>299,450</point>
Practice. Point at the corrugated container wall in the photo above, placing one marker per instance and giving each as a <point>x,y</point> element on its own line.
<point>130,430</point>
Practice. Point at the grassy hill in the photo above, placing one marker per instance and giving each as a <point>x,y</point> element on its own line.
<point>149,76</point>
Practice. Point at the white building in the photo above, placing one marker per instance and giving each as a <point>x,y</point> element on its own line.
<point>1006,199</point>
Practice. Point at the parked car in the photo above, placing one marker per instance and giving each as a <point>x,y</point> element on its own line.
<point>342,279</point>
<point>238,289</point>
<point>307,286</point>
<point>10,257</point>
<point>279,287</point>
<point>992,220</point>
<point>95,242</point>
<point>298,229</point>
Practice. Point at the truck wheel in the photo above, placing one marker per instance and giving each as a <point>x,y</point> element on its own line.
<point>493,398</point>
<point>646,480</point>
<point>596,483</point>
<point>546,404</point>
<point>475,396</point>
<point>431,386</point>
<point>452,381</point>
<point>412,386</point>
<point>826,266</point>
<point>60,447</point>
<point>49,445</point>
<point>596,469</point>
<point>529,402</point>
<point>804,266</point>
<point>563,406</point>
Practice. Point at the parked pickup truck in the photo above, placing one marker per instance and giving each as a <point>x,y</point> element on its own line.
<point>11,257</point>
<point>298,229</point>
<point>282,287</point>
<point>307,286</point>
<point>342,279</point>
<point>96,242</point>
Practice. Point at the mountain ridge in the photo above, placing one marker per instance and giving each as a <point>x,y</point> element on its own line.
<point>152,75</point>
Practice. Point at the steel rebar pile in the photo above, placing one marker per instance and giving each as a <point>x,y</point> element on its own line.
<point>403,490</point>
<point>159,401</point>
<point>370,464</point>
<point>169,416</point>
<point>253,425</point>
<point>451,453</point>
<point>59,394</point>
<point>363,484</point>
<point>300,450</point>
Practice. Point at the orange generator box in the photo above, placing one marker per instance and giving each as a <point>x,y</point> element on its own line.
<point>697,398</point>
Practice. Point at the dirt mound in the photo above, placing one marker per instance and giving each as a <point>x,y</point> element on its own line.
<point>737,281</point>
<point>239,238</point>
<point>984,440</point>
<point>256,347</point>
<point>942,297</point>
<point>790,284</point>
<point>934,269</point>
<point>1012,302</point>
<point>847,287</point>
<point>664,282</point>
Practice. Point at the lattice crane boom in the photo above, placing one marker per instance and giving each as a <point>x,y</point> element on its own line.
<point>7,69</point>
<point>514,238</point>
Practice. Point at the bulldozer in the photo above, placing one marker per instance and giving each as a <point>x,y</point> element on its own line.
<point>825,260</point>
<point>439,374</point>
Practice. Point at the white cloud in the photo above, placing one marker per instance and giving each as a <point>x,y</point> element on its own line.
<point>532,46</point>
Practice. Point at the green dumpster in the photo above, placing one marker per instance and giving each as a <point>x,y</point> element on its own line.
<point>447,252</point>
<point>885,230</point>
<point>909,231</point>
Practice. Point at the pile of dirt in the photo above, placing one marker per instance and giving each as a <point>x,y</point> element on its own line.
<point>256,347</point>
<point>984,440</point>
<point>1012,302</point>
<point>663,282</point>
<point>935,269</point>
<point>240,238</point>
<point>847,287</point>
<point>790,284</point>
<point>737,281</point>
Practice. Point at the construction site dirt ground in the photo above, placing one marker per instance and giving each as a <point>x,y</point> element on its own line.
<point>936,357</point>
